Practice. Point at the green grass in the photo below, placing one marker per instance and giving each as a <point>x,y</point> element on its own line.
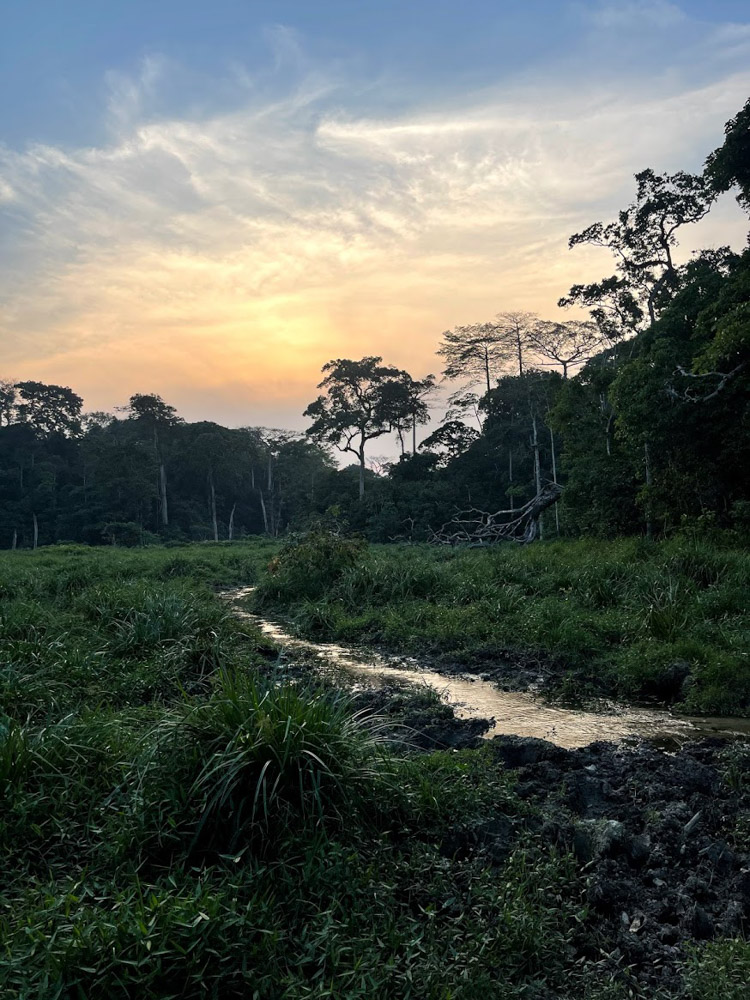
<point>611,618</point>
<point>174,822</point>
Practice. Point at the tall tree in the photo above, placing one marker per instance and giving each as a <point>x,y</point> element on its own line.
<point>49,409</point>
<point>155,416</point>
<point>514,330</point>
<point>729,165</point>
<point>642,240</point>
<point>406,399</point>
<point>476,354</point>
<point>565,344</point>
<point>361,402</point>
<point>7,401</point>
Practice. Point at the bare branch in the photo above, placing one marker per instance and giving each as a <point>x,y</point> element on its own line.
<point>476,528</point>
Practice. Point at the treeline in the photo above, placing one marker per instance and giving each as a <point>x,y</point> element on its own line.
<point>144,476</point>
<point>642,413</point>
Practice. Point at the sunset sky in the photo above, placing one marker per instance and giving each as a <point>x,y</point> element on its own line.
<point>211,200</point>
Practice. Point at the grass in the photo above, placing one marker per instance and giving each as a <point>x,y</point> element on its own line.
<point>175,822</point>
<point>608,618</point>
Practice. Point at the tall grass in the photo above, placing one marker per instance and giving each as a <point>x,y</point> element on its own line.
<point>612,618</point>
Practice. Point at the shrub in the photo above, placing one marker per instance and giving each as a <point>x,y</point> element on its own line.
<point>309,564</point>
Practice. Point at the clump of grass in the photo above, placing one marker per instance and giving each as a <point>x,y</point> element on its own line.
<point>307,564</point>
<point>256,759</point>
<point>719,970</point>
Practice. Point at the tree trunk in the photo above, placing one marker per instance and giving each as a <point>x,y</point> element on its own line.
<point>163,494</point>
<point>212,492</point>
<point>264,511</point>
<point>554,477</point>
<point>414,434</point>
<point>36,530</point>
<point>520,352</point>
<point>361,474</point>
<point>487,368</point>
<point>231,523</point>
<point>537,465</point>
<point>603,404</point>
<point>647,466</point>
<point>510,477</point>
<point>14,543</point>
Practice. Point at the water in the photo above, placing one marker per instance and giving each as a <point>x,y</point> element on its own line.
<point>513,712</point>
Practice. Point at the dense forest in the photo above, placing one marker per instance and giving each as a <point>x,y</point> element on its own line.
<point>642,414</point>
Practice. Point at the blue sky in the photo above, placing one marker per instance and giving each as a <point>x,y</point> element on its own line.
<point>211,200</point>
<point>56,55</point>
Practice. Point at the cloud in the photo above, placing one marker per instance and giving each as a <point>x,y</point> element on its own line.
<point>221,258</point>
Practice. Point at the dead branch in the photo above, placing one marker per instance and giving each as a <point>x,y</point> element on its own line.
<point>692,394</point>
<point>475,528</point>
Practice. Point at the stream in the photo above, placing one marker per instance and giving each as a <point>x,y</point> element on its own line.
<point>517,713</point>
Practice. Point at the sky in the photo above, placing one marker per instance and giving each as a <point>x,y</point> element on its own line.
<point>211,200</point>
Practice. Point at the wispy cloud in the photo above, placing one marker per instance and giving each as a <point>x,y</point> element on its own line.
<point>222,258</point>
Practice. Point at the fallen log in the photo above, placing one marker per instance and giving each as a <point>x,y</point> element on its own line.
<point>477,528</point>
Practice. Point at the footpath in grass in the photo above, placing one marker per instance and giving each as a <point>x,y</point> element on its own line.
<point>177,820</point>
<point>629,619</point>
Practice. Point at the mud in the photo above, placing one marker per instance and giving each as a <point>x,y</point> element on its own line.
<point>663,840</point>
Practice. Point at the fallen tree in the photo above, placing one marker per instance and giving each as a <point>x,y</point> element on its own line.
<point>475,528</point>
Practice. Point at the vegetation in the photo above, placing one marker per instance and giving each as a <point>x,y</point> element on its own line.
<point>177,824</point>
<point>630,619</point>
<point>179,818</point>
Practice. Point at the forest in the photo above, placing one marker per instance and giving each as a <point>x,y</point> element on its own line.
<point>641,413</point>
<point>278,729</point>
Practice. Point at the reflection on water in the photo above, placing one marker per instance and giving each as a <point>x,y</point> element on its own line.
<point>514,712</point>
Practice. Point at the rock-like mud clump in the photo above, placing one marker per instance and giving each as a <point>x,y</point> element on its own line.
<point>662,838</point>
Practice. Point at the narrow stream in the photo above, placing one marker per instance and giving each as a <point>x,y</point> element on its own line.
<point>513,712</point>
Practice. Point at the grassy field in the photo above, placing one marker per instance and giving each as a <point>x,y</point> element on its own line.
<point>173,823</point>
<point>628,619</point>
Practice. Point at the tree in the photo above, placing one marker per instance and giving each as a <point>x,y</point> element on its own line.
<point>642,240</point>
<point>49,409</point>
<point>476,353</point>
<point>362,401</point>
<point>514,330</point>
<point>729,165</point>
<point>151,412</point>
<point>7,400</point>
<point>566,344</point>
<point>450,440</point>
<point>405,398</point>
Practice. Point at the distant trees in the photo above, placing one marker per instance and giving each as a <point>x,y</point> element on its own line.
<point>643,415</point>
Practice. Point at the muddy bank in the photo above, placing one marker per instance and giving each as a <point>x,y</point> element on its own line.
<point>660,831</point>
<point>663,840</point>
<point>485,693</point>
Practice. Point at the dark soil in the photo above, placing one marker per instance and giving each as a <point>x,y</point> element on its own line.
<point>417,721</point>
<point>663,839</point>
